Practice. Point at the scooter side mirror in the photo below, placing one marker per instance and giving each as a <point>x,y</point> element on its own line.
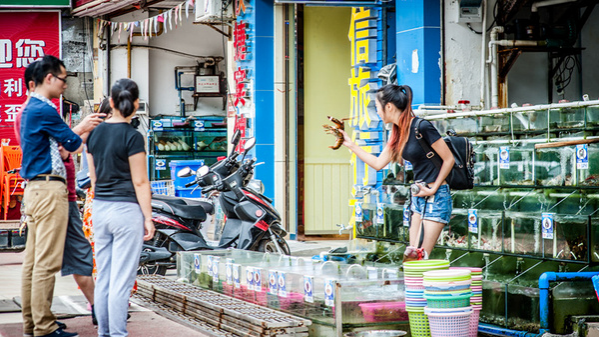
<point>249,144</point>
<point>185,172</point>
<point>203,171</point>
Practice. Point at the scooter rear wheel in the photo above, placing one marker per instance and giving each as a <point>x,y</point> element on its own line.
<point>267,246</point>
<point>151,269</point>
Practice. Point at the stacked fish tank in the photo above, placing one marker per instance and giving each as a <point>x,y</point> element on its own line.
<point>335,297</point>
<point>534,209</point>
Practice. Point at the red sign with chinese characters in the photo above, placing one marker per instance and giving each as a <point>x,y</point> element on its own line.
<point>241,40</point>
<point>240,88</point>
<point>24,38</point>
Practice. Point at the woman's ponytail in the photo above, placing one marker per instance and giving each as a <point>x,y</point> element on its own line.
<point>124,94</point>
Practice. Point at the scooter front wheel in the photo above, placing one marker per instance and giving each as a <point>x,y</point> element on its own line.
<point>267,246</point>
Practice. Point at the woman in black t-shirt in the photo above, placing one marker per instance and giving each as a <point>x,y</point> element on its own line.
<point>394,105</point>
<point>122,210</point>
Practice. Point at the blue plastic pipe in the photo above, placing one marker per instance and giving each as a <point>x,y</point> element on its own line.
<point>544,280</point>
<point>499,331</point>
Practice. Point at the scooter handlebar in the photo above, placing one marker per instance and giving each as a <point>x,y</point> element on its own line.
<point>191,183</point>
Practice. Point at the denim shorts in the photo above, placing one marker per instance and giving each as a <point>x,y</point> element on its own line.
<point>438,208</point>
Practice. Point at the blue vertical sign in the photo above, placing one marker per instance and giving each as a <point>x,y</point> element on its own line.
<point>547,225</point>
<point>358,212</point>
<point>272,282</point>
<point>472,221</point>
<point>504,157</point>
<point>582,157</point>
<point>309,289</point>
<point>197,263</point>
<point>329,292</point>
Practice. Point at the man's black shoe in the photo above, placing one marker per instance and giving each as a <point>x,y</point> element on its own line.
<point>61,333</point>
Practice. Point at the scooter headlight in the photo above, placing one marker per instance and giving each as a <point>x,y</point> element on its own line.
<point>256,185</point>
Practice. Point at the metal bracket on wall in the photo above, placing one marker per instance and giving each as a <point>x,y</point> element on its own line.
<point>213,26</point>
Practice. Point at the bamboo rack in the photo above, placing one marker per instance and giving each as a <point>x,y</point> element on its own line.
<point>222,312</point>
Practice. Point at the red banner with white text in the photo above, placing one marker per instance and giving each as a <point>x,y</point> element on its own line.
<point>24,38</point>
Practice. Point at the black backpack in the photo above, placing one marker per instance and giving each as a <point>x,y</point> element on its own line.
<point>461,176</point>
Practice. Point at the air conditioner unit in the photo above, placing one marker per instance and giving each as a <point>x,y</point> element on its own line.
<point>211,11</point>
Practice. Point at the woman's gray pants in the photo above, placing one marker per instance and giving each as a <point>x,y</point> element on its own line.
<point>118,233</point>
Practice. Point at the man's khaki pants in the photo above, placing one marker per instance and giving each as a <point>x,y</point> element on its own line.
<point>47,209</point>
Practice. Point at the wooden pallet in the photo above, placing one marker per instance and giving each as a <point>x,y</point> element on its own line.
<point>225,313</point>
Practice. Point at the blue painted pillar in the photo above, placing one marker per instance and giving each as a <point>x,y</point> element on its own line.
<point>419,48</point>
<point>259,66</point>
<point>264,85</point>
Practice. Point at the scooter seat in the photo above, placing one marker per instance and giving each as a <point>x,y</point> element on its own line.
<point>185,211</point>
<point>207,206</point>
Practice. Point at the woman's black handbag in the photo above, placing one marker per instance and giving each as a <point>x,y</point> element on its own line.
<point>461,176</point>
<point>82,177</point>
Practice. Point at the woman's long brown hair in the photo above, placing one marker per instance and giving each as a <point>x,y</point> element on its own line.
<point>401,97</point>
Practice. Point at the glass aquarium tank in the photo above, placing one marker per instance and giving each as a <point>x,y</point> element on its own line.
<point>485,230</point>
<point>486,165</point>
<point>566,118</point>
<point>568,240</point>
<point>592,116</point>
<point>494,123</point>
<point>368,226</point>
<point>516,165</point>
<point>329,293</point>
<point>522,233</point>
<point>533,120</point>
<point>555,166</point>
<point>395,194</point>
<point>397,221</point>
<point>462,125</point>
<point>455,234</point>
<point>594,239</point>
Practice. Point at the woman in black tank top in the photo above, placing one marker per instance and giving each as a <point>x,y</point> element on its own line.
<point>433,203</point>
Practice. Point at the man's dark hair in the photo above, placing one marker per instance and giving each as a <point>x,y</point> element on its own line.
<point>105,106</point>
<point>28,75</point>
<point>47,65</point>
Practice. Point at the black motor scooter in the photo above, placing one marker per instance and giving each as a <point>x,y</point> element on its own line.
<point>178,221</point>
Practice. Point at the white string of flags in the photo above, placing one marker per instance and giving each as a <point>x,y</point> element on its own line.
<point>149,26</point>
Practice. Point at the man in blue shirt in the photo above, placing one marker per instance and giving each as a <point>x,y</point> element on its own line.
<point>46,203</point>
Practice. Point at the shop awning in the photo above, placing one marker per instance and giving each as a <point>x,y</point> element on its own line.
<point>95,8</point>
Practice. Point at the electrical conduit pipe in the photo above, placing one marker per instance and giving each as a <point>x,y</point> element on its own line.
<point>483,65</point>
<point>493,43</point>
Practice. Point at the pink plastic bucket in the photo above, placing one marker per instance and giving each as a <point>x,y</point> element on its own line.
<point>474,323</point>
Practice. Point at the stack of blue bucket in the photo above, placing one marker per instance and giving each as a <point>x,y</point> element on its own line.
<point>180,189</point>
